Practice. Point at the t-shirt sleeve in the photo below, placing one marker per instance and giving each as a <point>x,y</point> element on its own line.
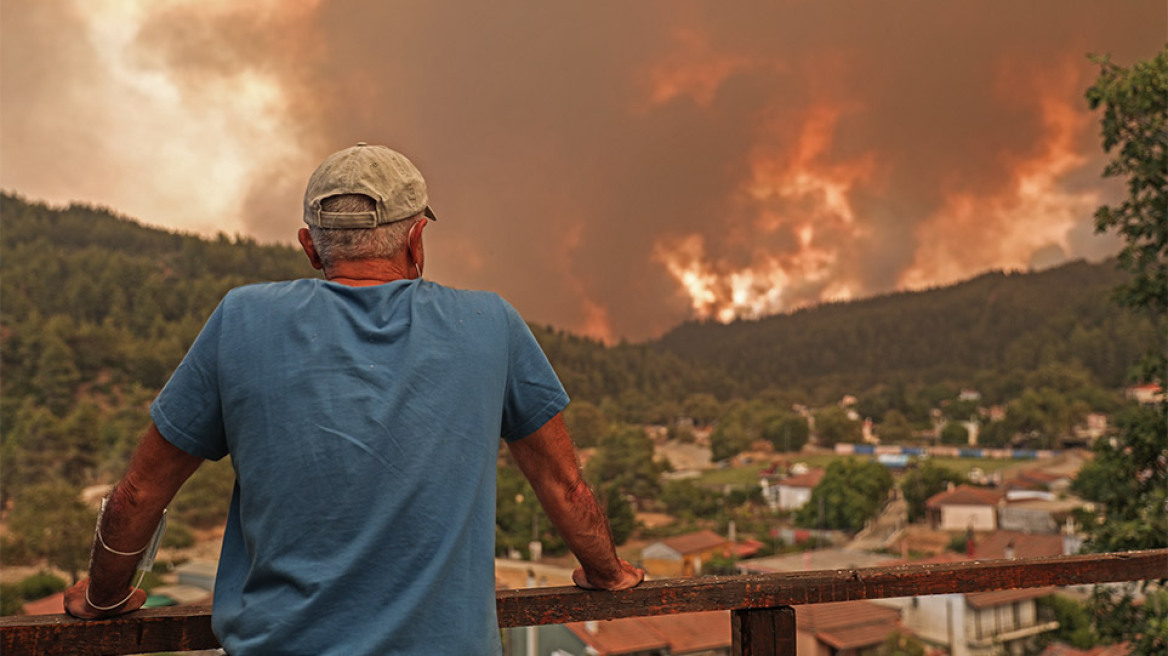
<point>189,410</point>
<point>533,393</point>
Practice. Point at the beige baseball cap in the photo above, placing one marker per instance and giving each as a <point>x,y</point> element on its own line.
<point>384,175</point>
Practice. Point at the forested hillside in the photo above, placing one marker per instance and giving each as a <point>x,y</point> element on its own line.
<point>95,303</point>
<point>994,324</point>
<point>97,310</point>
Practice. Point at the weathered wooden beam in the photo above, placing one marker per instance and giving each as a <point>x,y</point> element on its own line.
<point>179,628</point>
<point>762,631</point>
<point>186,628</point>
<point>532,606</point>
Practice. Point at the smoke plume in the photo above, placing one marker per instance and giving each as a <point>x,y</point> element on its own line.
<point>610,168</point>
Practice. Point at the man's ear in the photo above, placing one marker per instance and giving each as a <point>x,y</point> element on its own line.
<point>414,244</point>
<point>305,238</point>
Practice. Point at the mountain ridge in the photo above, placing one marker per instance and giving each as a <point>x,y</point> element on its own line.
<point>128,281</point>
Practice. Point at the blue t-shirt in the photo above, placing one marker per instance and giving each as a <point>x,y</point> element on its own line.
<point>363,424</point>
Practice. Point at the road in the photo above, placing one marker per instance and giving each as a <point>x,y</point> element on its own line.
<point>873,537</point>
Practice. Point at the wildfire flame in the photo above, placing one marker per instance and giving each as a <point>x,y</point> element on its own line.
<point>789,192</point>
<point>805,229</point>
<point>972,233</point>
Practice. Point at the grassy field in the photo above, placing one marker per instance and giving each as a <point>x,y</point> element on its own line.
<point>747,475</point>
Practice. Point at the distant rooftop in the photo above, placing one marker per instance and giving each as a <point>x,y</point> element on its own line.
<point>849,624</point>
<point>695,542</point>
<point>814,560</point>
<point>965,495</point>
<point>1002,597</point>
<point>810,479</point>
<point>680,634</point>
<point>1025,545</point>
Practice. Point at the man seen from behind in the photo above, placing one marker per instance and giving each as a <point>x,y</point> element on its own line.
<point>362,414</point>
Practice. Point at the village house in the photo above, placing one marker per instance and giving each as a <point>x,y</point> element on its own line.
<point>964,507</point>
<point>683,555</point>
<point>791,493</point>
<point>977,623</point>
<point>968,394</point>
<point>1146,394</point>
<point>1095,425</point>
<point>974,624</point>
<point>1038,512</point>
<point>981,623</point>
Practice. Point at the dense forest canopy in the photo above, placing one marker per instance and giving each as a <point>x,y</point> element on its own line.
<point>998,322</point>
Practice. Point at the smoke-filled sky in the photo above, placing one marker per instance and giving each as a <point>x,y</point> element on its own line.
<point>612,168</point>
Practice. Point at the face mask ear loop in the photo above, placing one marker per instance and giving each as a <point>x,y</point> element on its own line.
<point>133,588</point>
<point>418,269</point>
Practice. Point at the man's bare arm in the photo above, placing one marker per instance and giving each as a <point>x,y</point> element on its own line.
<point>548,460</point>
<point>157,470</point>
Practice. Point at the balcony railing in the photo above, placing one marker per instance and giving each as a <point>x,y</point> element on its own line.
<point>762,619</point>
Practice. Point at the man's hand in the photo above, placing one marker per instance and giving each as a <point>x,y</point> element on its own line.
<point>77,606</point>
<point>628,577</point>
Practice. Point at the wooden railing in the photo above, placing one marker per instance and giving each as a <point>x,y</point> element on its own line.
<point>762,619</point>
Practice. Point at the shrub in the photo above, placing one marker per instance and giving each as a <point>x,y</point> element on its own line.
<point>11,602</point>
<point>177,536</point>
<point>40,585</point>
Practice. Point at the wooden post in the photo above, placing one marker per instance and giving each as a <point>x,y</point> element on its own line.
<point>763,631</point>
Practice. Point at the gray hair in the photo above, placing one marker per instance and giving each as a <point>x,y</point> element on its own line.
<point>338,245</point>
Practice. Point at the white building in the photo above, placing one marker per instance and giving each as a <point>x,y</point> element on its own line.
<point>978,623</point>
<point>964,507</point>
<point>791,493</point>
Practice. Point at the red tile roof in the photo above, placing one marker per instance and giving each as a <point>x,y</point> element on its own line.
<point>849,624</point>
<point>1039,475</point>
<point>810,479</point>
<point>695,542</point>
<point>860,636</point>
<point>965,495</point>
<point>747,548</point>
<point>843,614</point>
<point>1026,545</point>
<point>690,632</point>
<point>680,634</point>
<point>623,636</point>
<point>1000,597</point>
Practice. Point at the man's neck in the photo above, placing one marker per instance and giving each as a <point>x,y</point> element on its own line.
<point>365,273</point>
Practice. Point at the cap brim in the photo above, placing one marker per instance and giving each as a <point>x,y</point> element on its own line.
<point>429,213</point>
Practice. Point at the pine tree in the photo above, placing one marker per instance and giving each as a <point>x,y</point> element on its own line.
<point>56,375</point>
